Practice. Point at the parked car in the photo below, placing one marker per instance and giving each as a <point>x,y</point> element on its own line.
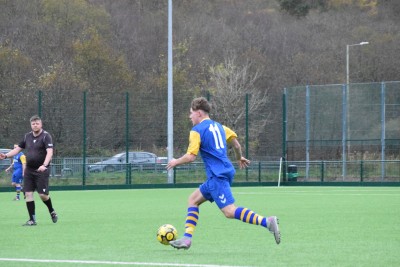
<point>162,160</point>
<point>162,163</point>
<point>4,164</point>
<point>138,159</point>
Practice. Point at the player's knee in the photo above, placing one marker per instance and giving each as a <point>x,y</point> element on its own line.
<point>44,197</point>
<point>229,211</point>
<point>192,201</point>
<point>29,196</point>
<point>195,199</point>
<point>228,214</point>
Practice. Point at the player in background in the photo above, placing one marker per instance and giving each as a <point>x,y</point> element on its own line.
<point>38,145</point>
<point>211,138</point>
<point>18,165</point>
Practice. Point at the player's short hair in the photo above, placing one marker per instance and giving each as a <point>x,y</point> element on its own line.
<point>35,118</point>
<point>201,103</point>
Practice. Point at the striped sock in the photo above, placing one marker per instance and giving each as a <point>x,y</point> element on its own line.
<point>249,216</point>
<point>18,189</point>
<point>191,221</point>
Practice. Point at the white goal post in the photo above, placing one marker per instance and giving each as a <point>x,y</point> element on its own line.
<point>280,171</point>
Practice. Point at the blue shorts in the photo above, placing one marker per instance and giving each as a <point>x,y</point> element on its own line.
<point>17,177</point>
<point>218,190</point>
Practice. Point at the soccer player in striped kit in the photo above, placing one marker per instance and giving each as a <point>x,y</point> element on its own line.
<point>18,165</point>
<point>210,138</point>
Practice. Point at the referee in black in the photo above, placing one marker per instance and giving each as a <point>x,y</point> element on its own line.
<point>38,145</point>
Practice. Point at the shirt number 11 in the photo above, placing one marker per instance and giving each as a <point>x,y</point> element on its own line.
<point>217,136</point>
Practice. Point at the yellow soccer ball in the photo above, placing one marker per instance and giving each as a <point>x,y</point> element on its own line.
<point>166,233</point>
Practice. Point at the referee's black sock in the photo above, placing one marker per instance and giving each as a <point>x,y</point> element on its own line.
<point>49,205</point>
<point>31,210</point>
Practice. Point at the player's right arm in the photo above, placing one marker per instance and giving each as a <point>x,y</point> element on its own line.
<point>191,154</point>
<point>187,158</point>
<point>11,153</point>
<point>9,168</point>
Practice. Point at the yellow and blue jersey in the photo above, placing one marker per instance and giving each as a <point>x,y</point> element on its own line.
<point>18,160</point>
<point>211,138</point>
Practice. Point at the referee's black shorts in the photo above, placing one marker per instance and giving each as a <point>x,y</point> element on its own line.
<point>35,180</point>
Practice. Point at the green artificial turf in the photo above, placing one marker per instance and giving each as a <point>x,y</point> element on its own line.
<point>320,226</point>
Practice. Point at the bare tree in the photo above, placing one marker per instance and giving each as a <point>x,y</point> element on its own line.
<point>230,82</point>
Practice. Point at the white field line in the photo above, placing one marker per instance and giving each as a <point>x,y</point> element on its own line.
<point>115,263</point>
<point>393,192</point>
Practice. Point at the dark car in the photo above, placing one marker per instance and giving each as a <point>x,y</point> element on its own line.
<point>139,160</point>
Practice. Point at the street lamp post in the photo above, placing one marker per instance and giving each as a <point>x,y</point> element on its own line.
<point>348,102</point>
<point>347,59</point>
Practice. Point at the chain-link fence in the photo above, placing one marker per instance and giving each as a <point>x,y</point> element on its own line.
<point>353,130</point>
<point>86,125</point>
<point>357,122</point>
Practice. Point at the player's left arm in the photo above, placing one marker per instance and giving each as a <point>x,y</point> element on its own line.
<point>231,138</point>
<point>49,156</point>
<point>47,160</point>
<point>48,144</point>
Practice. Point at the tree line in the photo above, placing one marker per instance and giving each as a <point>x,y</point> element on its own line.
<point>224,49</point>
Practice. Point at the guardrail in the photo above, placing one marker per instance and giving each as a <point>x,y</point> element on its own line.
<point>360,170</point>
<point>69,171</point>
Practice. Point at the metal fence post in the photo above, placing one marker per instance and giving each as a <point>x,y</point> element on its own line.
<point>322,170</point>
<point>127,131</point>
<point>307,131</point>
<point>129,173</point>
<point>344,130</point>
<point>247,134</point>
<point>361,171</point>
<point>284,134</point>
<point>383,131</point>
<point>84,141</point>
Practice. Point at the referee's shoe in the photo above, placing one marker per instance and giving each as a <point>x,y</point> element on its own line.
<point>30,223</point>
<point>54,216</point>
